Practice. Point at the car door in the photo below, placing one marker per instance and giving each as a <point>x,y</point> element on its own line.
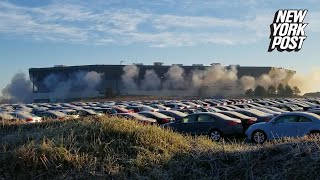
<point>303,126</point>
<point>204,124</point>
<point>186,125</point>
<point>284,126</point>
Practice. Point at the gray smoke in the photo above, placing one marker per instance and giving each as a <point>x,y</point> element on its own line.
<point>274,77</point>
<point>175,78</point>
<point>309,82</point>
<point>129,77</point>
<point>19,90</point>
<point>265,81</point>
<point>151,81</point>
<point>76,84</point>
<point>216,80</point>
<point>215,76</point>
<point>248,82</point>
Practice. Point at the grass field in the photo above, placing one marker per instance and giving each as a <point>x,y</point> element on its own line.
<point>112,148</point>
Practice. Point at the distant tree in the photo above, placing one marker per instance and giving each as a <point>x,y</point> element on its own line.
<point>260,91</point>
<point>272,90</point>
<point>280,90</point>
<point>249,92</point>
<point>296,90</point>
<point>288,91</point>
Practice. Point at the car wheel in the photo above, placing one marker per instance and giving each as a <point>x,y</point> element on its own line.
<point>215,135</point>
<point>259,137</point>
<point>314,134</point>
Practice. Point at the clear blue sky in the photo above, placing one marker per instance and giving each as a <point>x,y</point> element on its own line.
<point>42,33</point>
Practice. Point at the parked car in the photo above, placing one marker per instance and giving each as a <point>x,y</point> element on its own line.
<point>71,113</point>
<point>188,111</point>
<point>261,116</point>
<point>276,109</point>
<point>137,117</point>
<point>215,125</point>
<point>160,107</point>
<point>161,118</point>
<point>177,106</point>
<point>6,116</point>
<point>224,108</point>
<point>267,111</point>
<point>122,109</point>
<point>289,107</point>
<point>57,115</point>
<point>87,112</point>
<point>245,120</point>
<point>177,115</point>
<point>191,104</point>
<point>25,116</point>
<point>292,124</point>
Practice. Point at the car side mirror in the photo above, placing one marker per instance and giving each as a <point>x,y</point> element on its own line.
<point>273,123</point>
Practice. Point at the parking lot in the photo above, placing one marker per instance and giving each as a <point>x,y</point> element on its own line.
<point>257,119</point>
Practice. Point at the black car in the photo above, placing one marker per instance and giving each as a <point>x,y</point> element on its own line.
<point>261,116</point>
<point>177,115</point>
<point>188,111</point>
<point>215,125</point>
<point>161,118</point>
<point>245,120</point>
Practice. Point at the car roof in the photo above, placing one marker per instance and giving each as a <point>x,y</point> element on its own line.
<point>302,113</point>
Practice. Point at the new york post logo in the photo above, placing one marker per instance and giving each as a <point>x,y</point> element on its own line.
<point>287,30</point>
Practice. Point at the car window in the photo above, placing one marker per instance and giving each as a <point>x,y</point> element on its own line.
<point>304,119</point>
<point>189,119</point>
<point>287,119</point>
<point>205,118</point>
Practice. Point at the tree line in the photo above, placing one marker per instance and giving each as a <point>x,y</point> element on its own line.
<point>273,91</point>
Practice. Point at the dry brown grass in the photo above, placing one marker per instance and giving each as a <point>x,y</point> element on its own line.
<point>113,148</point>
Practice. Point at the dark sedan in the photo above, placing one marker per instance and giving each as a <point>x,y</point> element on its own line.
<point>246,120</point>
<point>215,125</point>
<point>261,116</point>
<point>177,115</point>
<point>161,118</point>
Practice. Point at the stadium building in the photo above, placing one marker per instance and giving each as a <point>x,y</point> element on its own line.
<point>111,79</point>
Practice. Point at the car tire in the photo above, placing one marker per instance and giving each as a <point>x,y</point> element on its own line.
<point>215,135</point>
<point>314,134</point>
<point>259,137</point>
